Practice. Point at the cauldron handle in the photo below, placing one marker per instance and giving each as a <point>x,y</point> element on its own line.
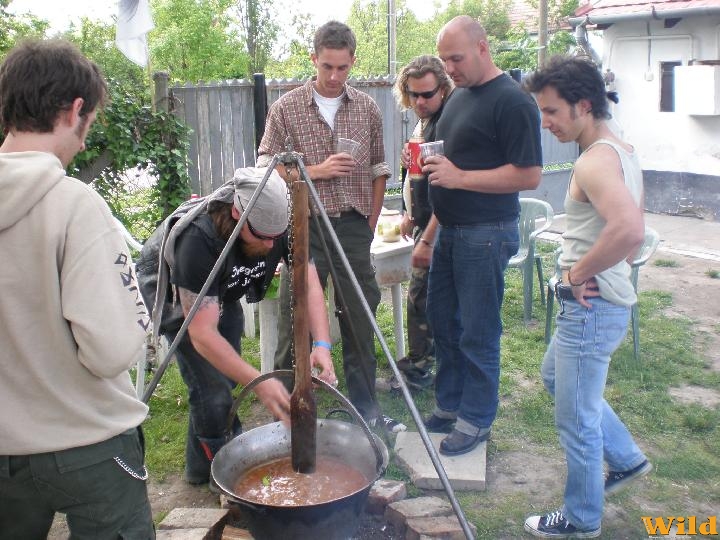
<point>287,374</point>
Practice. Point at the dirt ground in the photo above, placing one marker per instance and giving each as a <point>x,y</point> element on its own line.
<point>695,296</point>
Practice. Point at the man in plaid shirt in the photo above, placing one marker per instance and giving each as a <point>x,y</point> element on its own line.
<point>351,188</point>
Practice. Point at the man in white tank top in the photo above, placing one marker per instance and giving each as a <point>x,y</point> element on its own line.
<point>604,216</point>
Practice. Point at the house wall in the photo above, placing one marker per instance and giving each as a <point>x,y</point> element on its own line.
<point>676,150</point>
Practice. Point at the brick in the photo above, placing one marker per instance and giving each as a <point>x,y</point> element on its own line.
<point>192,518</point>
<point>438,528</point>
<point>399,512</point>
<point>384,492</point>
<point>233,533</point>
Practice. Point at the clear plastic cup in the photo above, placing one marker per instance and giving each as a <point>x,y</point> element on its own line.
<point>348,146</point>
<point>434,148</point>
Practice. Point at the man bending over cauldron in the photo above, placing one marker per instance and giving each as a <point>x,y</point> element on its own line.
<point>208,355</point>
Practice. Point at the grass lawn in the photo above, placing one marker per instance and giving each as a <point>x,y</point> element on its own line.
<point>682,441</point>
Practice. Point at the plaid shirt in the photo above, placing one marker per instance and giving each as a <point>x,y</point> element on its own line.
<point>297,115</point>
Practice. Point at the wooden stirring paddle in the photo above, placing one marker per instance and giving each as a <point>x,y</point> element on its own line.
<point>303,411</point>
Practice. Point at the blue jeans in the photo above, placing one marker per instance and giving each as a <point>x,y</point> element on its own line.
<point>209,397</point>
<point>465,294</point>
<point>574,370</point>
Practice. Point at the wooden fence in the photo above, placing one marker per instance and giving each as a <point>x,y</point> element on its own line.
<point>221,117</point>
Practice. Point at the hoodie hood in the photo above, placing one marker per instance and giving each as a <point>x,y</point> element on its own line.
<point>25,178</point>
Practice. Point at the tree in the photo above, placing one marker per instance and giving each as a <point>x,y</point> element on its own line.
<point>493,14</point>
<point>96,40</point>
<point>369,22</point>
<point>197,40</point>
<point>16,27</point>
<point>257,19</point>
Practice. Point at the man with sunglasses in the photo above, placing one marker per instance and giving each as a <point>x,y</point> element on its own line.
<point>491,134</point>
<point>423,86</point>
<point>209,353</point>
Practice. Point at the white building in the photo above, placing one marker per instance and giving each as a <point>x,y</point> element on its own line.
<point>664,57</point>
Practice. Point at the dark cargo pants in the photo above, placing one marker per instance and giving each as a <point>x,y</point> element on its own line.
<point>102,500</point>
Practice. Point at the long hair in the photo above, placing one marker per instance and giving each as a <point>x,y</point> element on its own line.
<point>221,215</point>
<point>419,67</point>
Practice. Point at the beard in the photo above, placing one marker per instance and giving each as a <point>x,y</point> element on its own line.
<point>255,250</point>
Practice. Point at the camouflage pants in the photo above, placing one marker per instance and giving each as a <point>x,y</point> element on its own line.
<point>421,350</point>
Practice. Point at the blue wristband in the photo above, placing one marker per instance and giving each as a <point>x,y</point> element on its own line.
<point>325,344</point>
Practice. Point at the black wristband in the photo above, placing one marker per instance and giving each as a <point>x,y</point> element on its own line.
<point>570,281</point>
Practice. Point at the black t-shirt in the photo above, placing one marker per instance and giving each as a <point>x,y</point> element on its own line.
<point>198,248</point>
<point>485,127</point>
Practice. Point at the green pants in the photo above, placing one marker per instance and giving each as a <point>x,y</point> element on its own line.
<point>356,331</point>
<point>99,497</point>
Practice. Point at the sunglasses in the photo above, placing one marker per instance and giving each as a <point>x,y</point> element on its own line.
<point>425,95</point>
<point>261,236</point>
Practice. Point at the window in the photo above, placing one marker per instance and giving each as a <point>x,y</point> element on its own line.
<point>667,86</point>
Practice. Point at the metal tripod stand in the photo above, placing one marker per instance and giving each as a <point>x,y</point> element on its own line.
<point>287,159</point>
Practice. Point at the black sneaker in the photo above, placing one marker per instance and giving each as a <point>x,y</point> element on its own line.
<point>555,525</point>
<point>389,424</point>
<point>617,480</point>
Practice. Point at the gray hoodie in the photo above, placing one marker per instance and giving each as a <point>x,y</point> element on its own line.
<point>71,319</point>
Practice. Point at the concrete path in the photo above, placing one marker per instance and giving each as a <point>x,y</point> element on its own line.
<point>687,236</point>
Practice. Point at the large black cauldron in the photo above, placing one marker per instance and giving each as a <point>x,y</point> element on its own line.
<point>334,520</point>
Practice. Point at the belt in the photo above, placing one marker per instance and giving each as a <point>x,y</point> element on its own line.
<point>344,213</point>
<point>564,292</point>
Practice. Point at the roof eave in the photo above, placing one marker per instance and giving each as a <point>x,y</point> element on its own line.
<point>652,14</point>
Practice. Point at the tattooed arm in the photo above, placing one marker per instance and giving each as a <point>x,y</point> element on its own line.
<point>211,345</point>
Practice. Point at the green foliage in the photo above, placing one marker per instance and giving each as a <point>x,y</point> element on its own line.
<point>493,14</point>
<point>13,28</point>
<point>369,22</point>
<point>713,274</point>
<point>295,60</point>
<point>517,50</point>
<point>260,31</point>
<point>197,40</point>
<point>130,135</point>
<point>96,40</point>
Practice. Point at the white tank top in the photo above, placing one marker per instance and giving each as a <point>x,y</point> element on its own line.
<point>583,226</point>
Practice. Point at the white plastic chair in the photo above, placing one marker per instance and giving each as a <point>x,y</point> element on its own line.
<point>650,244</point>
<point>536,216</point>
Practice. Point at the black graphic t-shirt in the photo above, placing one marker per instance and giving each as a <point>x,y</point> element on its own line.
<point>198,248</point>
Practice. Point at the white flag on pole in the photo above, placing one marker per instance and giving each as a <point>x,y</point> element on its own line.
<point>133,23</point>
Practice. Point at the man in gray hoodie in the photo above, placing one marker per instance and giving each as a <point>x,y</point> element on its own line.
<point>71,319</point>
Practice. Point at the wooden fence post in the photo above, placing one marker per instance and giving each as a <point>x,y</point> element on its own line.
<point>162,97</point>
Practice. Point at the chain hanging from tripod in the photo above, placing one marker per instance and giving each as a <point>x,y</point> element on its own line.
<point>288,161</point>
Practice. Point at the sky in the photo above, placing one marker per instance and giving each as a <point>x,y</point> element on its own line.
<point>61,13</point>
